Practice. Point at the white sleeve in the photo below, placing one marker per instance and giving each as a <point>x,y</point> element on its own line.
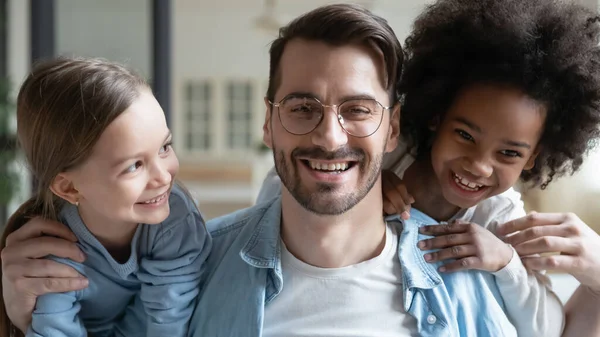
<point>530,303</point>
<point>398,160</point>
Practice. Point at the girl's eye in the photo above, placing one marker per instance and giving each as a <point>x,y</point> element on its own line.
<point>511,153</point>
<point>463,134</point>
<point>165,148</point>
<point>133,167</point>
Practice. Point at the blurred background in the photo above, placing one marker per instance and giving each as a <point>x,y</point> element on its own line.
<point>208,64</point>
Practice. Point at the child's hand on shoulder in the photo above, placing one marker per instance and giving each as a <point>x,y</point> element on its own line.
<point>470,245</point>
<point>396,199</point>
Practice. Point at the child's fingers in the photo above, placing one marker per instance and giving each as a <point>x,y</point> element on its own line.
<point>471,262</point>
<point>394,197</point>
<point>454,252</point>
<point>388,207</point>
<point>443,229</point>
<point>391,180</point>
<point>395,193</point>
<point>445,241</point>
<point>408,199</point>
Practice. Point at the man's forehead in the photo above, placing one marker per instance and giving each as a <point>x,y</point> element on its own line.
<point>316,51</point>
<point>315,65</point>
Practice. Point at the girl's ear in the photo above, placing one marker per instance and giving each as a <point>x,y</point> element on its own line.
<point>531,161</point>
<point>62,186</point>
<point>434,123</point>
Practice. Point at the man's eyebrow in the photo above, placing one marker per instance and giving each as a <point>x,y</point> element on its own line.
<point>304,94</point>
<point>363,96</point>
<point>301,94</point>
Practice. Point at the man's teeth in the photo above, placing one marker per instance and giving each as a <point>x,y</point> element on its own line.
<point>155,200</point>
<point>328,166</point>
<point>466,184</point>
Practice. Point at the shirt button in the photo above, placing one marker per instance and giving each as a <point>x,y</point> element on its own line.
<point>431,319</point>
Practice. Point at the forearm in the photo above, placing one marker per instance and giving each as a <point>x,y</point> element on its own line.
<point>583,313</point>
<point>20,324</point>
<point>171,275</point>
<point>532,307</point>
<point>56,315</point>
<point>169,308</point>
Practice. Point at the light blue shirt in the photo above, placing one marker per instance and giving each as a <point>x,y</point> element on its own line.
<point>151,294</point>
<point>243,275</point>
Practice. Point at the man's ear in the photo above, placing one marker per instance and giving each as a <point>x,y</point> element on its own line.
<point>267,132</point>
<point>394,131</point>
<point>62,186</point>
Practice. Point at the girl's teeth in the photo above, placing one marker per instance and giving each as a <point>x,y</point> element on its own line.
<point>155,200</point>
<point>465,184</point>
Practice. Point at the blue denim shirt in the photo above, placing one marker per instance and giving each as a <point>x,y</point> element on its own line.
<point>244,275</point>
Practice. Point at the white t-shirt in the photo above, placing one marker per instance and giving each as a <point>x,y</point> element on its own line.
<point>364,299</point>
<point>521,290</point>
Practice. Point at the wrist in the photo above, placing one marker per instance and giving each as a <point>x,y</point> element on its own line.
<point>507,256</point>
<point>21,326</point>
<point>18,320</point>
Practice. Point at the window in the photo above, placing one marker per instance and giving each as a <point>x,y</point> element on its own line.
<point>239,103</point>
<point>198,117</point>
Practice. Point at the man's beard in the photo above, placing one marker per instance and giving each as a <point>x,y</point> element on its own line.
<point>325,200</point>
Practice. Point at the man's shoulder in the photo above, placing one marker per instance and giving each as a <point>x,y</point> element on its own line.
<point>232,223</point>
<point>233,233</point>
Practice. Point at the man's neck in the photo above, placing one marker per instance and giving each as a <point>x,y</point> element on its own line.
<point>422,183</point>
<point>338,240</point>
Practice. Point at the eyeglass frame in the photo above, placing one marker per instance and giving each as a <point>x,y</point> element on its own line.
<point>335,107</point>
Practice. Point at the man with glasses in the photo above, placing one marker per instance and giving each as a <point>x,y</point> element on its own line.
<point>320,259</point>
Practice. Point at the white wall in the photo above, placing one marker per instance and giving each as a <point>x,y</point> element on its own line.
<point>18,66</point>
<point>579,193</point>
<point>591,4</point>
<point>219,40</point>
<point>215,40</point>
<point>115,29</point>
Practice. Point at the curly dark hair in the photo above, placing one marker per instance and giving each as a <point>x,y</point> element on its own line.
<point>545,48</point>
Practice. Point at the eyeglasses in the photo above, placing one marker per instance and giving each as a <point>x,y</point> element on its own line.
<point>302,115</point>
